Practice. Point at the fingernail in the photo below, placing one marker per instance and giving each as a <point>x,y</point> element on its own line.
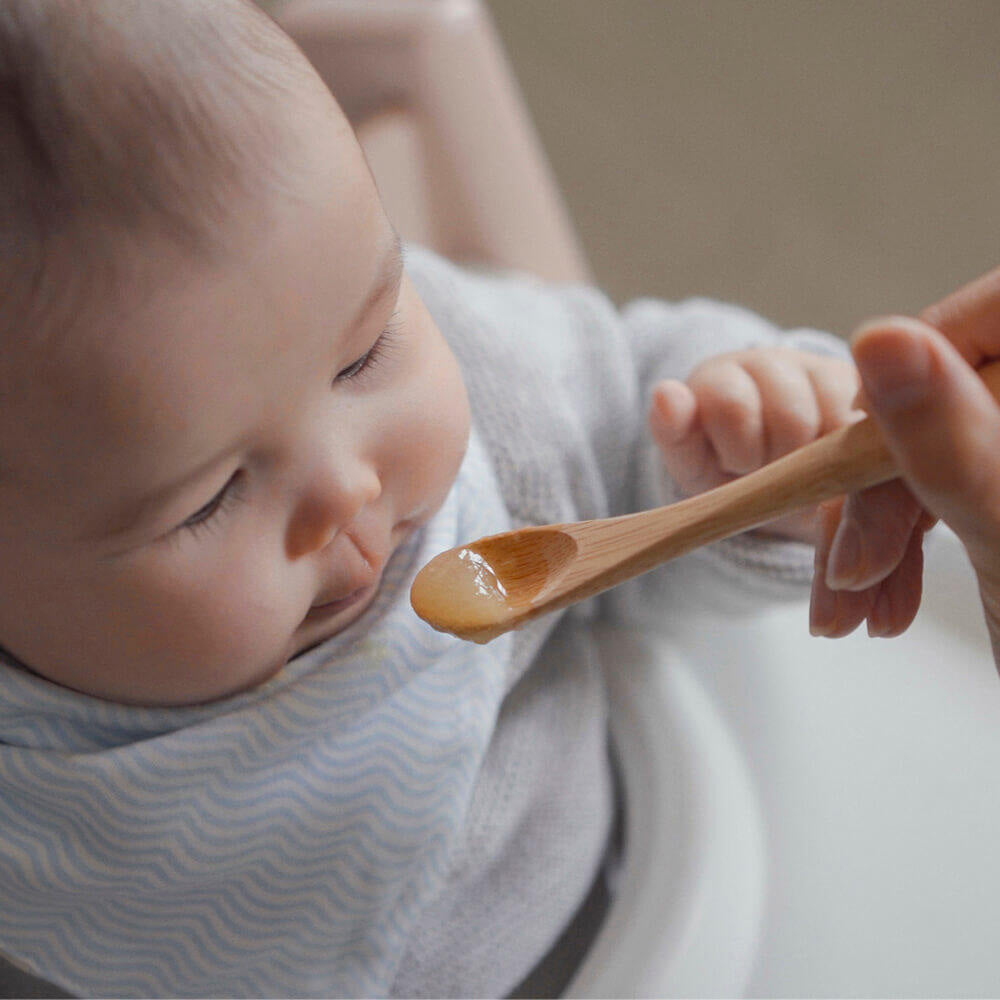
<point>661,400</point>
<point>894,369</point>
<point>845,555</point>
<point>822,610</point>
<point>879,617</point>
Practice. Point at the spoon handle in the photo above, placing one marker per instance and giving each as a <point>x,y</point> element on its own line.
<point>844,461</point>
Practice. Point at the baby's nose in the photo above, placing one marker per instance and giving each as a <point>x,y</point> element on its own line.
<point>329,504</point>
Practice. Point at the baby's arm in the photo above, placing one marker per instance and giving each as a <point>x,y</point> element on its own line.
<point>740,410</point>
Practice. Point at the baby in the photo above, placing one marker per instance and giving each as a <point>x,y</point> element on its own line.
<point>232,428</point>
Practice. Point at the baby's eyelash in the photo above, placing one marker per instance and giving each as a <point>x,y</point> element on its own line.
<point>222,501</point>
<point>375,355</point>
<point>205,517</point>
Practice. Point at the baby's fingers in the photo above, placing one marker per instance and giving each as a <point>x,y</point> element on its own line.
<point>731,413</point>
<point>676,428</point>
<point>791,410</point>
<point>674,413</point>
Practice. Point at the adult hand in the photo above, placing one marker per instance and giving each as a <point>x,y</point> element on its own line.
<point>943,428</point>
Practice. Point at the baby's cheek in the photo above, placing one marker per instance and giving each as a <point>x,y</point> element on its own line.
<point>250,616</point>
<point>220,626</point>
<point>430,421</point>
<point>442,437</point>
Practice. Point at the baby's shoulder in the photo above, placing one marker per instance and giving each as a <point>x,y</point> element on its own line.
<point>515,312</point>
<point>550,380</point>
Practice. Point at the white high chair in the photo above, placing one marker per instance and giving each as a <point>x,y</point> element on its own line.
<point>803,817</point>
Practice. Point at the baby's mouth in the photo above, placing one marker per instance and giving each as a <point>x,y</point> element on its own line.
<point>374,559</point>
<point>330,608</point>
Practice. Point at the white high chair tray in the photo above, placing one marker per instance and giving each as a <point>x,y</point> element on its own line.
<point>805,816</point>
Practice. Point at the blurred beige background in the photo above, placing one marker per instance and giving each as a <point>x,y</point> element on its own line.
<point>817,161</point>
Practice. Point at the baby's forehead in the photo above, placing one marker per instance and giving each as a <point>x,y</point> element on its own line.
<point>79,399</point>
<point>139,112</point>
<point>95,363</point>
<point>154,123</point>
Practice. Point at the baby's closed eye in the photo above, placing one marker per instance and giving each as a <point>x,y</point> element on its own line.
<point>375,355</point>
<point>230,494</point>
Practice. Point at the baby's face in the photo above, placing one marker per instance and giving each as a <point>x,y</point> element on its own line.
<point>213,480</point>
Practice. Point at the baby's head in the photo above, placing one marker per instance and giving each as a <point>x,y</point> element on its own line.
<point>222,404</point>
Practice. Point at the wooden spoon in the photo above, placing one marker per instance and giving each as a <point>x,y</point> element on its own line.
<point>480,590</point>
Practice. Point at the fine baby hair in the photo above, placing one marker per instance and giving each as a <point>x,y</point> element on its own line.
<point>118,131</point>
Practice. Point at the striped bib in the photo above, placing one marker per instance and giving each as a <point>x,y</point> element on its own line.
<point>281,842</point>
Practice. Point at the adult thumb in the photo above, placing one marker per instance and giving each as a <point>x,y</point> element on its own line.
<point>940,422</point>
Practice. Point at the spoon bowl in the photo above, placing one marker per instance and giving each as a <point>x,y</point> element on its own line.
<point>501,575</point>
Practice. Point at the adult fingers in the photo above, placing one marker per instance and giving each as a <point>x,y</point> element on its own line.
<point>970,318</point>
<point>872,536</point>
<point>940,422</point>
<point>890,604</point>
<point>834,613</point>
<point>899,593</point>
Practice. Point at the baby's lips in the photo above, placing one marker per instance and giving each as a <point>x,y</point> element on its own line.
<point>324,609</point>
<point>336,597</point>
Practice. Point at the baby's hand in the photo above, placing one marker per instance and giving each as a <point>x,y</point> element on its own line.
<point>740,411</point>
